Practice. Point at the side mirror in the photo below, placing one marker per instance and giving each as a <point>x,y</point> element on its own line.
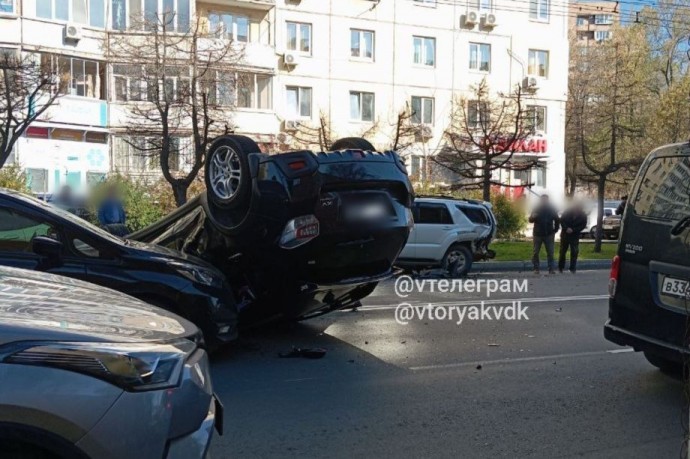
<point>46,247</point>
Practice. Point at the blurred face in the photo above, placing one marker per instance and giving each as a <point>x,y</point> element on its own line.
<point>544,199</point>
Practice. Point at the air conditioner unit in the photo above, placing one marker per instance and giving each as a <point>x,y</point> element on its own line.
<point>490,20</point>
<point>72,32</point>
<point>425,132</point>
<point>291,59</point>
<point>471,18</point>
<point>291,125</point>
<point>530,84</point>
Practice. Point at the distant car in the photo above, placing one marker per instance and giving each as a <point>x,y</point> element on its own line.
<point>591,228</point>
<point>297,234</point>
<point>39,236</point>
<point>650,276</point>
<point>87,372</point>
<point>449,234</point>
<point>611,226</point>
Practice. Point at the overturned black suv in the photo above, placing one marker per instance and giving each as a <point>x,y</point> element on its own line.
<point>297,234</point>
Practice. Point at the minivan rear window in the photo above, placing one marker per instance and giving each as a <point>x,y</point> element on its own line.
<point>664,191</point>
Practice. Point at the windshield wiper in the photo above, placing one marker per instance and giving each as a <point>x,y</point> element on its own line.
<point>679,227</point>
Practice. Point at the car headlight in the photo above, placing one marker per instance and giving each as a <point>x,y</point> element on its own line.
<point>133,367</point>
<point>198,274</point>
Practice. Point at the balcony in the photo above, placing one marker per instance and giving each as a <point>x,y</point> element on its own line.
<point>262,5</point>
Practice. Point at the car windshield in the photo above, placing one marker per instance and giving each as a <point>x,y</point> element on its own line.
<point>72,218</point>
<point>664,191</point>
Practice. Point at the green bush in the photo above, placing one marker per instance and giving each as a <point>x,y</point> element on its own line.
<point>510,216</point>
<point>12,177</point>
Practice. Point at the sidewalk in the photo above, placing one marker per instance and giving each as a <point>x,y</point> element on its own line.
<point>526,266</point>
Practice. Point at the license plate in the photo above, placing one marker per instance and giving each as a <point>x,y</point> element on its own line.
<point>218,421</point>
<point>676,287</point>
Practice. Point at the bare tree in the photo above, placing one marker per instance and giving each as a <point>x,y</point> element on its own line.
<point>485,132</point>
<point>29,85</point>
<point>318,135</point>
<point>182,79</point>
<point>610,116</point>
<point>406,129</point>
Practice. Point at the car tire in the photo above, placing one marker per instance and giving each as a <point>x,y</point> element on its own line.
<point>665,365</point>
<point>457,261</point>
<point>228,183</point>
<point>593,232</point>
<point>352,143</point>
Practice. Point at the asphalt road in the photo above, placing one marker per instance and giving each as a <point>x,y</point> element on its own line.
<point>550,386</point>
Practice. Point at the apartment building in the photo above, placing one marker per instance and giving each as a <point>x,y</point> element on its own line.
<point>355,63</point>
<point>593,22</point>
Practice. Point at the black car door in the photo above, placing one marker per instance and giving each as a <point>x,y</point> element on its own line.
<point>18,228</point>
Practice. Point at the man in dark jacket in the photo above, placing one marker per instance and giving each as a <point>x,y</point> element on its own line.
<point>546,224</point>
<point>573,222</point>
<point>621,207</point>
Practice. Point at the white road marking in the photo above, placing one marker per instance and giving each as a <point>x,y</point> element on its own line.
<point>516,360</point>
<point>620,351</point>
<point>555,299</point>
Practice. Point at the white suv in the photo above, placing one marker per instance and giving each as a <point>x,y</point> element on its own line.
<point>449,234</point>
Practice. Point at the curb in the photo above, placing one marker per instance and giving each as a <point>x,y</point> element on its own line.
<point>526,266</point>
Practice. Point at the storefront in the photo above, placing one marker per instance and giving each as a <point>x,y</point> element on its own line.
<point>55,153</point>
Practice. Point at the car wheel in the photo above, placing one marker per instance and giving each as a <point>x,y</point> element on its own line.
<point>667,366</point>
<point>458,260</point>
<point>227,171</point>
<point>593,232</point>
<point>352,143</point>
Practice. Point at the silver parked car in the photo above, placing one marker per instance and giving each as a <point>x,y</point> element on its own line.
<point>87,372</point>
<point>449,234</point>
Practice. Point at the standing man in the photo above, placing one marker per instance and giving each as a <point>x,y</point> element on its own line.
<point>546,224</point>
<point>621,207</point>
<point>573,222</point>
<point>111,211</point>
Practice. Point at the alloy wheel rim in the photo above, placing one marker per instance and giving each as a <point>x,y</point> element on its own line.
<point>225,172</point>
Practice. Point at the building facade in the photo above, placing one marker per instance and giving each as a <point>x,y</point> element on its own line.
<point>353,63</point>
<point>593,22</point>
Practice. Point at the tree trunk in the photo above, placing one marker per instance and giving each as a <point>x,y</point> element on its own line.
<point>180,192</point>
<point>601,189</point>
<point>486,181</point>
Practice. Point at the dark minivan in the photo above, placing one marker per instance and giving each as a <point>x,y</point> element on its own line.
<point>650,276</point>
<point>38,236</point>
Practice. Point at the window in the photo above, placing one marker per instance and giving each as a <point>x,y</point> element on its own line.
<point>475,215</point>
<point>483,5</point>
<point>298,102</point>
<point>539,10</point>
<point>432,214</point>
<point>601,35</point>
<point>603,19</point>
<point>424,51</point>
<point>422,110</point>
<point>79,77</point>
<point>477,114</point>
<point>128,14</point>
<point>254,91</point>
<point>6,6</point>
<point>17,231</point>
<point>361,106</point>
<point>663,193</point>
<point>538,63</point>
<point>299,37</point>
<point>582,20</point>
<point>128,83</point>
<point>536,118</point>
<point>88,12</point>
<point>540,176</point>
<point>232,26</point>
<point>480,57</point>
<point>426,2</point>
<point>37,180</point>
<point>362,44</point>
